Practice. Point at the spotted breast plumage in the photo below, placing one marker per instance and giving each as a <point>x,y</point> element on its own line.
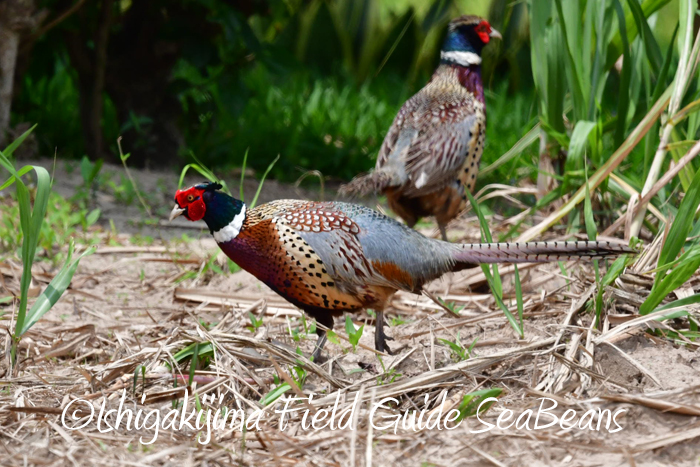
<point>330,257</point>
<point>431,153</point>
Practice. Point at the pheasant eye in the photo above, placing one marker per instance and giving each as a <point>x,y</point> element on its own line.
<point>190,198</point>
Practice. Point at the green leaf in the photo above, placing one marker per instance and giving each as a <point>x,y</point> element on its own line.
<point>687,266</point>
<point>693,299</point>
<point>349,326</point>
<point>470,402</point>
<point>653,50</point>
<point>494,280</point>
<point>517,149</point>
<point>574,73</point>
<point>262,180</point>
<point>91,218</point>
<point>53,291</point>
<point>682,224</point>
<point>245,163</point>
<point>275,394</point>
<point>626,76</point>
<point>614,271</point>
<point>205,349</point>
<point>578,143</point>
<point>518,295</point>
<point>9,150</point>
<point>649,7</point>
<point>332,337</point>
<point>193,362</point>
<point>31,219</point>
<point>591,229</point>
<point>453,346</point>
<point>663,74</point>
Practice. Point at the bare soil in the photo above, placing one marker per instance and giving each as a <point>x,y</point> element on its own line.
<point>135,306</point>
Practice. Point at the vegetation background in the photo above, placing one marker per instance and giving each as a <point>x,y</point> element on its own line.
<point>317,82</point>
<point>592,126</point>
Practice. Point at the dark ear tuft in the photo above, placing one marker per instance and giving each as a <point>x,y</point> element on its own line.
<point>214,186</point>
<point>209,186</point>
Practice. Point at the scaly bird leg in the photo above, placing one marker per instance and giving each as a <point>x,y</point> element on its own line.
<point>327,321</point>
<point>443,231</point>
<point>379,337</point>
<point>320,342</point>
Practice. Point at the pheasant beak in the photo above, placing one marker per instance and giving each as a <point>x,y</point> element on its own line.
<point>495,34</point>
<point>177,211</point>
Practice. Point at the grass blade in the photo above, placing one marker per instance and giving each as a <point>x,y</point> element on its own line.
<point>681,226</point>
<point>262,180</point>
<point>602,173</point>
<point>53,291</point>
<point>687,266</point>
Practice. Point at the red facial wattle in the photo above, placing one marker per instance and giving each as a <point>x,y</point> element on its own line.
<point>484,32</point>
<point>191,199</point>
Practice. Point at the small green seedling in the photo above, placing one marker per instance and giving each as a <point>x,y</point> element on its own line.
<point>256,323</point>
<point>459,352</point>
<point>354,335</point>
<point>387,377</point>
<point>452,306</point>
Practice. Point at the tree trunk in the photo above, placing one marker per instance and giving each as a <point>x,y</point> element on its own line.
<point>9,44</point>
<point>91,68</point>
<point>15,17</point>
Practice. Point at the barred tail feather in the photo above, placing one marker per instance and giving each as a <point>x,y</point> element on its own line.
<point>365,184</point>
<point>536,252</point>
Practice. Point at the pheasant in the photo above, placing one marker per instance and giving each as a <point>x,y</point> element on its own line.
<point>433,148</point>
<point>327,258</point>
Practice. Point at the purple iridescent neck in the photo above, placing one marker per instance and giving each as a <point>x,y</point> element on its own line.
<point>468,76</point>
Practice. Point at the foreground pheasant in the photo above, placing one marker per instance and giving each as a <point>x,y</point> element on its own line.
<point>328,258</point>
<point>432,151</point>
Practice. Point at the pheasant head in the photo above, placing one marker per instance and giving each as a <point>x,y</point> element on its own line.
<point>223,214</point>
<point>466,37</point>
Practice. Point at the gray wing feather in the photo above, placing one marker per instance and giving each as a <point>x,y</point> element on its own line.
<point>350,258</point>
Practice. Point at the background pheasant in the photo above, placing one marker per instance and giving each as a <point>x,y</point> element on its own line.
<point>433,148</point>
<point>329,257</point>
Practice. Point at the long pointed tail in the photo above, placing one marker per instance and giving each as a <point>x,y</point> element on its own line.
<point>365,184</point>
<point>535,252</point>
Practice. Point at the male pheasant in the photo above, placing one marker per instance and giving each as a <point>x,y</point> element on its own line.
<point>433,148</point>
<point>330,257</point>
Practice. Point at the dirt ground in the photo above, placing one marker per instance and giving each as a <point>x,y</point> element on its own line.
<point>132,307</point>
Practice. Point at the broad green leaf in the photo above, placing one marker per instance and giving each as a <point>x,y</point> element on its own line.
<point>349,326</point>
<point>649,7</point>
<point>205,348</point>
<point>687,266</point>
<point>93,216</point>
<point>275,394</point>
<point>652,47</point>
<point>693,299</point>
<point>681,225</point>
<point>573,72</point>
<point>577,144</point>
<point>471,402</point>
<point>614,271</point>
<point>53,291</point>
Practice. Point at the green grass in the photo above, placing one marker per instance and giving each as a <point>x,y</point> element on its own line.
<point>31,220</point>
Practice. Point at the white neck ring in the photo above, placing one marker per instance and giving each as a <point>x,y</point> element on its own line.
<point>232,230</point>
